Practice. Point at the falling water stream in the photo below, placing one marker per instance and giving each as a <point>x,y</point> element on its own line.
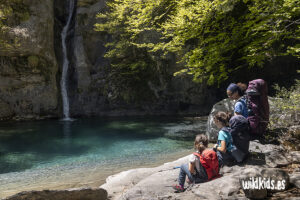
<point>63,83</point>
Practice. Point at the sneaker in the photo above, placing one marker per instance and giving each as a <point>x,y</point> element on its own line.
<point>178,188</point>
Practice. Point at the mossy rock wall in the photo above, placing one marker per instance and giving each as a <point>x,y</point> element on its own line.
<point>27,62</point>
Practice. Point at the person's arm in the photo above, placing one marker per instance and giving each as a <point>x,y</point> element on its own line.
<point>192,167</point>
<point>222,148</point>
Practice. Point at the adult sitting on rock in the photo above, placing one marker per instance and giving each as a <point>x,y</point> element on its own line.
<point>236,92</point>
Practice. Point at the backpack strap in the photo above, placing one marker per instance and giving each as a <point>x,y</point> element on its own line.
<point>226,129</point>
<point>199,160</point>
<point>243,100</point>
<point>197,154</point>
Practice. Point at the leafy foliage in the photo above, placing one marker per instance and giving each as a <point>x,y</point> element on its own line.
<point>287,106</point>
<point>212,39</point>
<point>132,26</point>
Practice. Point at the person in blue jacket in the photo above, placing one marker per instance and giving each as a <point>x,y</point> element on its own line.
<point>224,145</point>
<point>236,92</point>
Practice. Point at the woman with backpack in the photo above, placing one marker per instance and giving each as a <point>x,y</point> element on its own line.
<point>236,92</point>
<point>254,106</point>
<point>203,165</point>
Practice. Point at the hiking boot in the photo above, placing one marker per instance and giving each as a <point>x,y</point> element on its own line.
<point>178,188</point>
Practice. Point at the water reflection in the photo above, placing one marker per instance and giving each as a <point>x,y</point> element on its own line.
<point>85,141</point>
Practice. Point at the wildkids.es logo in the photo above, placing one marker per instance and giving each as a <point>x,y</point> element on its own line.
<point>263,183</point>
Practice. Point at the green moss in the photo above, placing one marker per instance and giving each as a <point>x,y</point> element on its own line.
<point>33,61</point>
<point>13,12</point>
<point>85,3</point>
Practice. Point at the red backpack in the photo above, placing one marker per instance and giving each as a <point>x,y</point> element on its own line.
<point>209,161</point>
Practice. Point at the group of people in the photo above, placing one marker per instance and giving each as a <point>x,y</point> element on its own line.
<point>232,145</point>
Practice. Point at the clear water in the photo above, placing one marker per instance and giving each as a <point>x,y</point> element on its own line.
<point>30,145</point>
<point>82,153</point>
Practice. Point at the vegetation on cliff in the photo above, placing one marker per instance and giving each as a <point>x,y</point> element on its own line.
<point>212,40</point>
<point>285,118</point>
<point>12,13</point>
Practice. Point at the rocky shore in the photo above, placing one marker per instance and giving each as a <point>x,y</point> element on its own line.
<point>266,160</point>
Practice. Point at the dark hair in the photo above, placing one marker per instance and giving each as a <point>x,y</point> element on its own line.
<point>242,87</point>
<point>201,142</point>
<point>239,87</point>
<point>223,117</point>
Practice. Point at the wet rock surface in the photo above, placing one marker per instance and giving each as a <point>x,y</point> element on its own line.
<point>72,194</point>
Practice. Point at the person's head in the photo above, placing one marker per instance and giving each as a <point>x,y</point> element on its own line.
<point>235,91</point>
<point>221,119</point>
<point>201,142</point>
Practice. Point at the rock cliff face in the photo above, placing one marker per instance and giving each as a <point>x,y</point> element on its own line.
<point>27,62</point>
<point>30,68</point>
<point>93,93</point>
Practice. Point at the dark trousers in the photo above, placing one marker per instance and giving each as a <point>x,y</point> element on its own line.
<point>199,177</point>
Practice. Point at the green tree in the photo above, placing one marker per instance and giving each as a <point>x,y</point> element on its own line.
<point>212,39</point>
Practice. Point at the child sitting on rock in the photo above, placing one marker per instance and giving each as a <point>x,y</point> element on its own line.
<point>226,150</point>
<point>203,165</point>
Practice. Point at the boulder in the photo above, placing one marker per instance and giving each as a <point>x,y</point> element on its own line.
<point>276,158</point>
<point>279,177</point>
<point>226,105</point>
<point>72,194</point>
<point>252,191</point>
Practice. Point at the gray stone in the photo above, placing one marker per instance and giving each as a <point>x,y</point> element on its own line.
<point>295,179</point>
<point>295,156</point>
<point>246,177</point>
<point>276,158</point>
<point>257,147</point>
<point>71,194</point>
<point>279,177</point>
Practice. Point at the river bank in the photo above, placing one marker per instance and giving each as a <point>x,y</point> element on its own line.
<point>265,160</point>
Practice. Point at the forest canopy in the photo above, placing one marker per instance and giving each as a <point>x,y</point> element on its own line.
<point>211,38</point>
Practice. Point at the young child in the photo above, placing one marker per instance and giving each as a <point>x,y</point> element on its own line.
<point>200,168</point>
<point>225,142</point>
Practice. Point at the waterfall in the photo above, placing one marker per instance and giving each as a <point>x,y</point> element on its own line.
<point>64,76</point>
